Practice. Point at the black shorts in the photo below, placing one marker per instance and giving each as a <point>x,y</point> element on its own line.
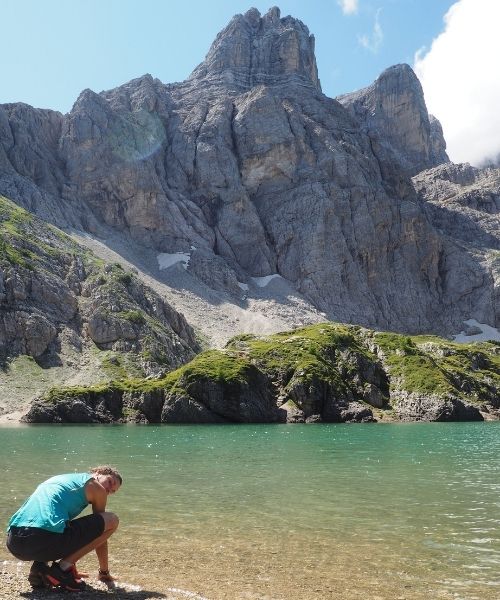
<point>32,543</point>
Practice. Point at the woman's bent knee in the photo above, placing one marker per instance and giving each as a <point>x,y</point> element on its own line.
<point>110,520</point>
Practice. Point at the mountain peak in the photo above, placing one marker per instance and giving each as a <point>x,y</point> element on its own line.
<point>255,50</point>
<point>393,109</point>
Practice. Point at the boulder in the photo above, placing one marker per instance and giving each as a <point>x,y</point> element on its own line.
<point>417,407</point>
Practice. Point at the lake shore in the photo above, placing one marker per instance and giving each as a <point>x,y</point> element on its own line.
<point>278,513</point>
<point>12,417</point>
<point>14,583</point>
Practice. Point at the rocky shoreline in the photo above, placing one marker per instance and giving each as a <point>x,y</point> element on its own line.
<point>329,372</point>
<point>14,583</point>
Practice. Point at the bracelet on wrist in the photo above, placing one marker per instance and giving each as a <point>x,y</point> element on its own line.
<point>103,572</point>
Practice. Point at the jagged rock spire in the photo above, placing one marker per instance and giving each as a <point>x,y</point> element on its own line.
<point>255,49</point>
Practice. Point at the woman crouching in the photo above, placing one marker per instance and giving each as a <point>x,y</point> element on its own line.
<point>45,528</point>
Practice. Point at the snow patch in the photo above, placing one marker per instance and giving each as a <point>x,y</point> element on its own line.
<point>243,286</point>
<point>263,281</point>
<point>167,260</point>
<point>484,333</point>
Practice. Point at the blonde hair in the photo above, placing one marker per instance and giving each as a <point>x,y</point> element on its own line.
<point>106,470</point>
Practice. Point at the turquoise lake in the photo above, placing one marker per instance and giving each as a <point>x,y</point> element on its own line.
<point>286,511</point>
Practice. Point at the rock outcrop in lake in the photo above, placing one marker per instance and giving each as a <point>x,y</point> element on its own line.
<point>249,165</point>
<point>322,373</point>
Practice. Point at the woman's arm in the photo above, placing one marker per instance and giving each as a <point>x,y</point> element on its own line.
<point>97,497</point>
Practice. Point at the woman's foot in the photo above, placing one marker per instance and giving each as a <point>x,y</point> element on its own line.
<point>64,579</point>
<point>36,578</point>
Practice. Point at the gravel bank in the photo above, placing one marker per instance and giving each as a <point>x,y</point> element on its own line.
<point>216,315</point>
<point>14,584</point>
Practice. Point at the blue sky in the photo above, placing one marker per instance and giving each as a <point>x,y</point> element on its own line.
<point>53,49</point>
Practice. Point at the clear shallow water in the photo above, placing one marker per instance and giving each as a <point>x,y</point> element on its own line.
<point>298,511</point>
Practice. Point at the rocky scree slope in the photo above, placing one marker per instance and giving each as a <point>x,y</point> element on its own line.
<point>59,304</point>
<point>248,166</point>
<point>463,202</point>
<point>325,372</point>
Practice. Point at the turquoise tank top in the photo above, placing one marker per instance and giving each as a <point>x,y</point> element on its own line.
<point>53,503</point>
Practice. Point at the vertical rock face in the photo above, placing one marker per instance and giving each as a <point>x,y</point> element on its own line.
<point>32,166</point>
<point>248,162</point>
<point>438,154</point>
<point>254,50</point>
<point>26,134</point>
<point>392,111</point>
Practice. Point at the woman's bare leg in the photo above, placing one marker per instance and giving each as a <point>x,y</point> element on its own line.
<point>100,544</point>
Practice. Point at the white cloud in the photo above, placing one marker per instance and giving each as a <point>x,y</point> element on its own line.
<point>349,7</point>
<point>461,83</point>
<point>374,41</point>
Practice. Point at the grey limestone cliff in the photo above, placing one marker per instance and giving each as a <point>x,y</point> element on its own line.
<point>254,50</point>
<point>393,113</point>
<point>32,169</point>
<point>248,164</point>
<point>463,202</point>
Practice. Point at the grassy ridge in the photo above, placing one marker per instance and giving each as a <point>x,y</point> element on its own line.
<point>28,242</point>
<point>339,358</point>
<point>432,365</point>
